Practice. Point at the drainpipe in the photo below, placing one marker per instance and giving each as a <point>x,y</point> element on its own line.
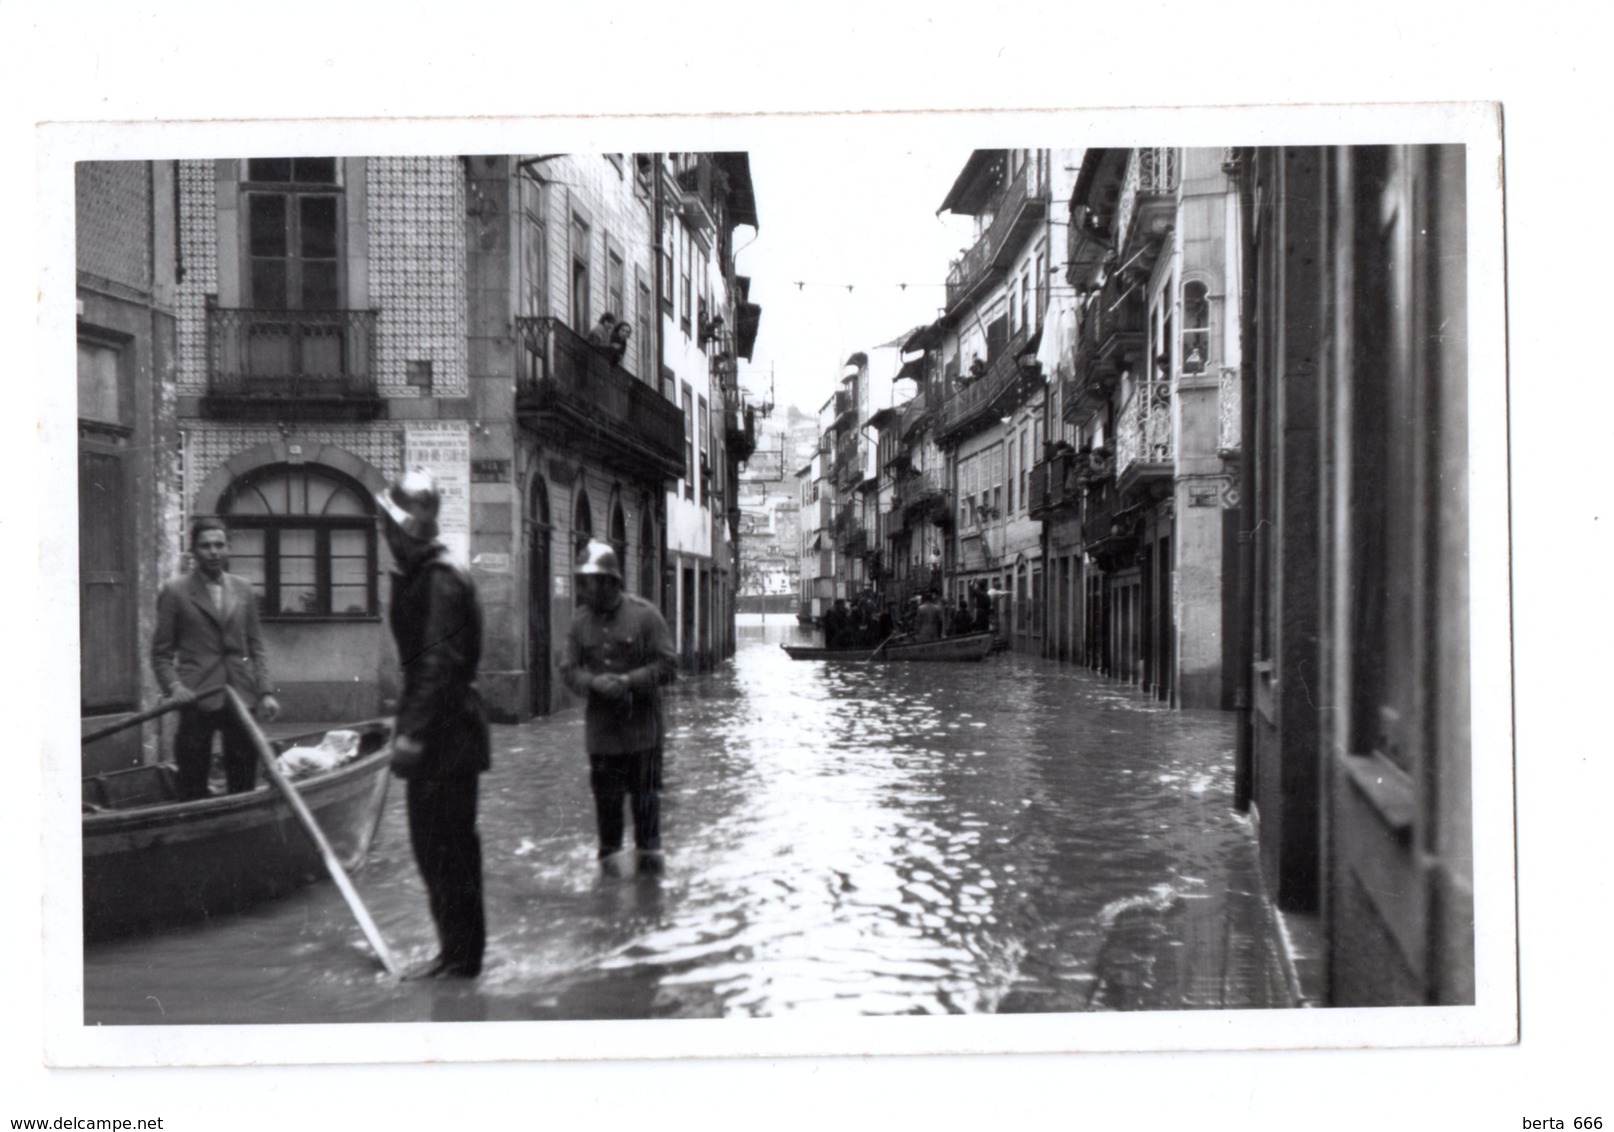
<point>656,159</point>
<point>1244,749</point>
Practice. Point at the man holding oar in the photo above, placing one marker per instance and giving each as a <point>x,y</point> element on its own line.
<point>440,738</point>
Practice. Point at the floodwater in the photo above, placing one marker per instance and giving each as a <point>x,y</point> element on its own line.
<point>841,840</point>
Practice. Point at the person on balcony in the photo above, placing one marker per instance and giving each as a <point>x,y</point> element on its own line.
<point>618,349</point>
<point>600,336</point>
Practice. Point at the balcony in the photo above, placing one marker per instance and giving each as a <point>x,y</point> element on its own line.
<point>1021,207</point>
<point>978,403</point>
<point>848,467</point>
<point>925,499</point>
<point>845,409</point>
<point>291,365</point>
<point>1145,447</point>
<point>566,388</point>
<point>1053,486</point>
<point>740,433</point>
<point>1112,340</point>
<point>913,415</point>
<point>1148,203</point>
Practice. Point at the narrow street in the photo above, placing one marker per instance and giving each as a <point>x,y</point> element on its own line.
<point>1009,836</point>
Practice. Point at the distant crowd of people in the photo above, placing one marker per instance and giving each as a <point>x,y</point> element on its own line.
<point>867,621</point>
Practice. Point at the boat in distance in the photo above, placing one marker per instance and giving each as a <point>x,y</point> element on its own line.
<point>152,861</point>
<point>967,646</point>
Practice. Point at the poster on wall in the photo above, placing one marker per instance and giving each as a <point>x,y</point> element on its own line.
<point>444,449</point>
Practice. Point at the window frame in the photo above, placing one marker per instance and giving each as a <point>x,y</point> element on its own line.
<point>274,524</point>
<point>292,191</point>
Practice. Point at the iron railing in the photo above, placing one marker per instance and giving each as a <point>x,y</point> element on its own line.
<point>977,401</point>
<point>293,362</point>
<point>1143,430</point>
<point>561,373</point>
<point>1151,173</point>
<point>1022,194</point>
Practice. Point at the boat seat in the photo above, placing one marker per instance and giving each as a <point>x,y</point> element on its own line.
<point>138,786</point>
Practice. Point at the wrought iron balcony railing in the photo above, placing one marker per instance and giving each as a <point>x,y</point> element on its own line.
<point>1229,419</point>
<point>1144,436</point>
<point>1147,190</point>
<point>284,364</point>
<point>565,383</point>
<point>1024,201</point>
<point>977,402</point>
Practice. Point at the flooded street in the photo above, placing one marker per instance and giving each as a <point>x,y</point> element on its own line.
<point>1008,836</point>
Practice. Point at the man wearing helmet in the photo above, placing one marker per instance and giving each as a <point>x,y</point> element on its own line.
<point>618,655</point>
<point>440,738</point>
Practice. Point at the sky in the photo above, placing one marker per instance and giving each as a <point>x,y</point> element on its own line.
<point>863,215</point>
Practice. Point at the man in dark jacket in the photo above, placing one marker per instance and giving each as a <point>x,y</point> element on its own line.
<point>928,621</point>
<point>440,738</point>
<point>619,653</point>
<point>207,639</point>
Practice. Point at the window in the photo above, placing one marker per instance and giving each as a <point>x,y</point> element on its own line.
<point>1011,475</point>
<point>1195,327</point>
<point>1041,306</point>
<point>534,250</point>
<point>100,382</point>
<point>704,420</point>
<point>689,441</point>
<point>293,218</point>
<point>619,536</point>
<point>641,320</point>
<point>666,257</point>
<point>305,537</point>
<point>1025,300</point>
<point>686,256</point>
<point>582,520</point>
<point>1025,463</point>
<point>580,279</point>
<point>615,283</point>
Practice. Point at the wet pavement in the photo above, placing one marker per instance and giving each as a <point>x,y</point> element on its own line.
<point>1010,836</point>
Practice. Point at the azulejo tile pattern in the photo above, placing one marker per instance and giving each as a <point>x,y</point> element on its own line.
<point>199,264</point>
<point>415,228</point>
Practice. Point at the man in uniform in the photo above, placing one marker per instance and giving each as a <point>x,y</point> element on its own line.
<point>618,654</point>
<point>207,639</point>
<point>440,738</point>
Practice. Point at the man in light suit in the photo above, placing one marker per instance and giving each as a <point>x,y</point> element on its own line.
<point>207,639</point>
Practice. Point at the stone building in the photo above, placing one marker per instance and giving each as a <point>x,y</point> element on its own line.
<point>1136,492</point>
<point>127,454</point>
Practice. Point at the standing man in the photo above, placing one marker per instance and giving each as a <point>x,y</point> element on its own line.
<point>207,639</point>
<point>440,740</point>
<point>619,653</point>
<point>928,621</point>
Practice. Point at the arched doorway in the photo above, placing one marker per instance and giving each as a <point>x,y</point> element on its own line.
<point>582,521</point>
<point>539,531</point>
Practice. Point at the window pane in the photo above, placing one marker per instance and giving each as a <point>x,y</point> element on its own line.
<point>297,576</point>
<point>350,572</point>
<point>318,170</point>
<point>350,543</point>
<point>269,169</point>
<point>318,227</point>
<point>295,543</point>
<point>320,289</point>
<point>319,491</point>
<point>269,284</point>
<point>247,501</point>
<point>98,382</point>
<point>266,224</point>
<point>345,502</point>
<point>350,599</point>
<point>246,558</point>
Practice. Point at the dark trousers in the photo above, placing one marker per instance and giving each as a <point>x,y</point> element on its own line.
<point>448,852</point>
<point>193,752</point>
<point>636,776</point>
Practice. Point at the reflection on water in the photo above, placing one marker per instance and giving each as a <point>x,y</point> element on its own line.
<point>842,839</point>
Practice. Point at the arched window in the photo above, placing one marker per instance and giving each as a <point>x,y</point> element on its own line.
<point>1195,327</point>
<point>619,535</point>
<point>648,572</point>
<point>305,536</point>
<point>582,521</point>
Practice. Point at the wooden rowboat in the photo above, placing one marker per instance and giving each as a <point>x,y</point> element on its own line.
<point>969,646</point>
<point>151,861</point>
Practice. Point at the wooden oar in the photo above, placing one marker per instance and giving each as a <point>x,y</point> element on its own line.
<point>295,800</point>
<point>875,654</point>
<point>134,720</point>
